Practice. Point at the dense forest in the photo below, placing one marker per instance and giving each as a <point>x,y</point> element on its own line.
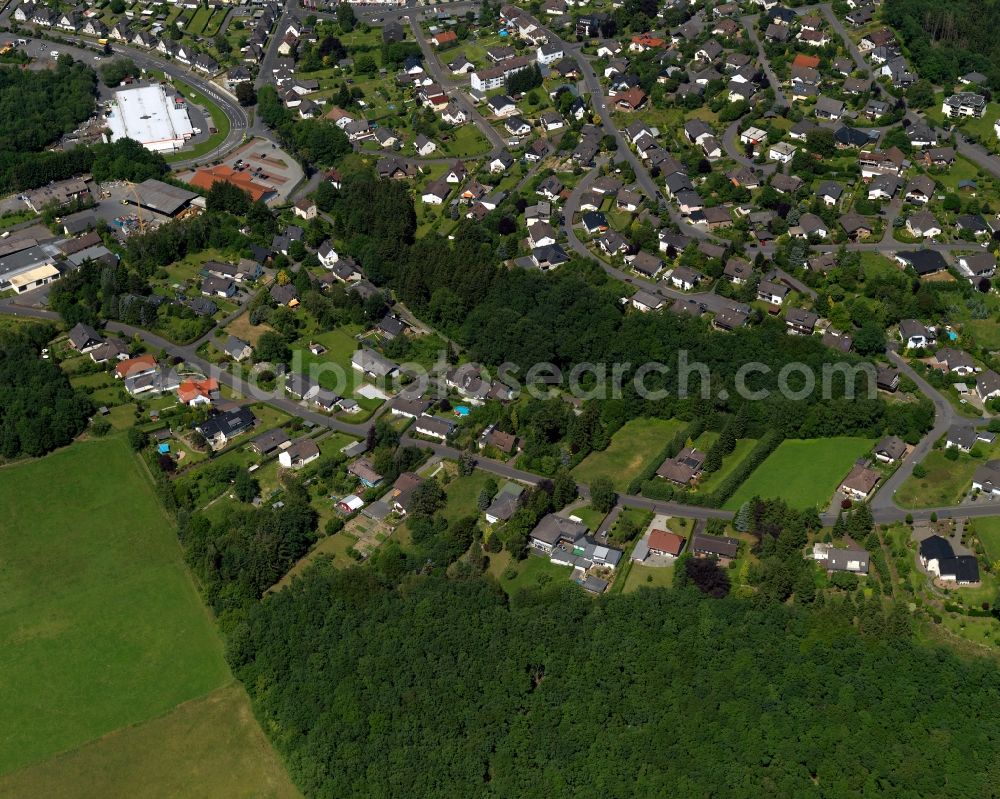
<point>443,688</point>
<point>947,40</point>
<point>37,108</point>
<point>39,410</point>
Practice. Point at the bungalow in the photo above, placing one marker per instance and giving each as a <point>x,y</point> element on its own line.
<point>890,449</point>
<point>923,225</point>
<point>923,262</point>
<point>952,361</point>
<point>436,193</point>
<point>434,427</point>
<point>299,454</point>
<point>860,483</point>
<point>237,349</point>
<point>222,427</point>
<point>644,302</point>
<point>988,385</point>
<point>978,265</point>
<point>363,470</point>
<point>837,559</point>
<point>961,438</point>
<point>213,286</point>
<point>553,530</point>
<point>721,548</point>
<point>373,365</point>
<point>516,126</point>
<point>664,544</point>
<point>684,468</point>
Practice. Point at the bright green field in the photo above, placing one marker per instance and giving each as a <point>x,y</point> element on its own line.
<point>945,483</point>
<point>988,531</point>
<point>803,472</point>
<point>629,452</point>
<point>100,623</point>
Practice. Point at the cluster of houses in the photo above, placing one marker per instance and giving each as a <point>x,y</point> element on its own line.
<point>148,29</point>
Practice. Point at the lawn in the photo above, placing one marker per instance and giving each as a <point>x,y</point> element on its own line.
<point>743,448</point>
<point>640,576</point>
<point>338,375</point>
<point>988,531</point>
<point>803,472</point>
<point>462,493</point>
<point>630,451</point>
<point>945,483</point>
<point>242,329</point>
<point>100,624</point>
<point>589,516</point>
<point>210,746</point>
<point>962,169</point>
<point>533,572</point>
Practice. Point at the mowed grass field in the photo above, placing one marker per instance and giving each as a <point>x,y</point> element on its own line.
<point>101,628</point>
<point>988,531</point>
<point>211,746</point>
<point>630,451</point>
<point>803,472</point>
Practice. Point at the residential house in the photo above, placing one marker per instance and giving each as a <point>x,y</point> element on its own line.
<point>373,365</point>
<point>890,449</point>
<point>683,468</point>
<point>860,483</point>
<point>836,559</point>
<point>220,428</point>
<point>771,292</point>
<point>237,349</point>
<point>299,454</point>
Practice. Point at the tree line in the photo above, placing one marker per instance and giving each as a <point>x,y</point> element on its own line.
<point>39,409</point>
<point>431,687</point>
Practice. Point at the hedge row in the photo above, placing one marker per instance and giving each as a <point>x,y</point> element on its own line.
<point>662,490</point>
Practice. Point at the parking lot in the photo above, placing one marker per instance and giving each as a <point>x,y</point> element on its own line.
<point>268,166</point>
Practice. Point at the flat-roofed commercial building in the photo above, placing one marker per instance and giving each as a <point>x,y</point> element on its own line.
<point>162,198</point>
<point>159,123</point>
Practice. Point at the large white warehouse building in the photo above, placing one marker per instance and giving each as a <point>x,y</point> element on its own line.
<point>146,114</point>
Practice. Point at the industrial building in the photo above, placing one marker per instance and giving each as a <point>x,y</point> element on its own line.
<point>159,123</point>
<point>159,197</point>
